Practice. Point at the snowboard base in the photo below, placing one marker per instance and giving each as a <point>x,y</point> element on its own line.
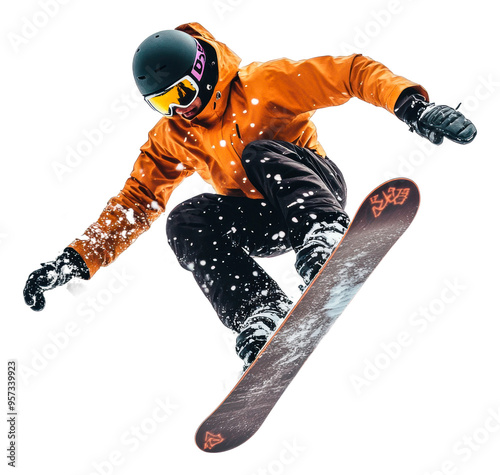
<point>380,221</point>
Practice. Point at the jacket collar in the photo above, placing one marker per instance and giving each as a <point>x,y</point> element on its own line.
<point>228,65</point>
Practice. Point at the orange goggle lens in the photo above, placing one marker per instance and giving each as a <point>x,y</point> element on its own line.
<point>181,94</point>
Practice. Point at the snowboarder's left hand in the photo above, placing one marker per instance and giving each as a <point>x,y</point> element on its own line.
<point>53,274</point>
<point>434,121</point>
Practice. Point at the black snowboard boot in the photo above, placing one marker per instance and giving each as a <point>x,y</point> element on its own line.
<point>258,328</point>
<point>319,243</point>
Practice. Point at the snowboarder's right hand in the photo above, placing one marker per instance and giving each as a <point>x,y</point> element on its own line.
<point>53,274</point>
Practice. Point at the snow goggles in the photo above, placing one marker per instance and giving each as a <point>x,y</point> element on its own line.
<point>181,94</point>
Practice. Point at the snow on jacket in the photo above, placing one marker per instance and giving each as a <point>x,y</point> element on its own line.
<point>272,100</point>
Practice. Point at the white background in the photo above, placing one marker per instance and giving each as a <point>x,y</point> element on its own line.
<point>94,381</point>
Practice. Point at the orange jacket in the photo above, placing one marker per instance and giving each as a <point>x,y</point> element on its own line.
<point>272,100</point>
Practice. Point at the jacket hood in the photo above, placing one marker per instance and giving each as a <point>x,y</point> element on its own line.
<point>228,64</point>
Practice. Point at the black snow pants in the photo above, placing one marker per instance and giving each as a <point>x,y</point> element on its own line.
<point>216,237</point>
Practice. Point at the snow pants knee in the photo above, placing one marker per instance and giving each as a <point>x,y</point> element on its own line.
<point>217,237</point>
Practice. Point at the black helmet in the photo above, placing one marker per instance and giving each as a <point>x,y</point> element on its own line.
<point>166,57</point>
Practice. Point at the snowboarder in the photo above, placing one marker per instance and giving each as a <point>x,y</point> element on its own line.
<point>247,132</point>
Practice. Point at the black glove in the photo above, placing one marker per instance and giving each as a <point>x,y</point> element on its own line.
<point>53,274</point>
<point>434,122</point>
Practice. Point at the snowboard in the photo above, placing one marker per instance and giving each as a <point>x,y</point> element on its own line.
<point>380,221</point>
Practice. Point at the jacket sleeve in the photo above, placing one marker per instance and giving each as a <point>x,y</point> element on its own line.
<point>127,215</point>
<point>302,86</point>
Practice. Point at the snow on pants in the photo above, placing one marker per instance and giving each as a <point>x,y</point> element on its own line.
<point>216,237</point>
